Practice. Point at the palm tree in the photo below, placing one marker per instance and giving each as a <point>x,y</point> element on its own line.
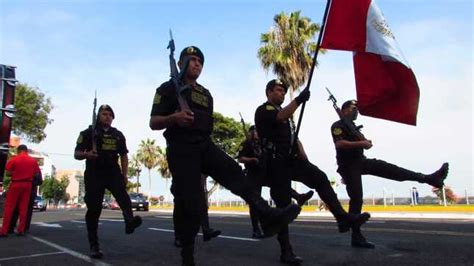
<point>134,169</point>
<point>163,167</point>
<point>288,48</point>
<point>148,154</point>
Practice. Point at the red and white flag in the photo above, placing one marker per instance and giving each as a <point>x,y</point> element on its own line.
<point>386,86</point>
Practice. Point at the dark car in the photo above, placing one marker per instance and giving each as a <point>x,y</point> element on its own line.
<point>39,204</point>
<point>139,202</point>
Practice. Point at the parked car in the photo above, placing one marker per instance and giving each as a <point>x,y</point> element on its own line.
<point>106,204</point>
<point>139,202</point>
<point>39,204</point>
<point>113,205</point>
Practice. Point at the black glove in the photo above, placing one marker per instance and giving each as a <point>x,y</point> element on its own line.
<point>303,97</point>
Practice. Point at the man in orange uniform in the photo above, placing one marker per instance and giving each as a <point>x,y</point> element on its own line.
<point>22,169</point>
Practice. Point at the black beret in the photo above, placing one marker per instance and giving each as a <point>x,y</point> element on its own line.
<point>274,82</point>
<point>348,103</point>
<point>252,127</point>
<point>192,50</point>
<point>106,107</point>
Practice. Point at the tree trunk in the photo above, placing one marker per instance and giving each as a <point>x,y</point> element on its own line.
<point>213,188</point>
<point>138,183</point>
<point>149,185</point>
<point>167,191</point>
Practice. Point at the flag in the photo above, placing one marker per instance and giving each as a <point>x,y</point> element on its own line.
<point>386,85</point>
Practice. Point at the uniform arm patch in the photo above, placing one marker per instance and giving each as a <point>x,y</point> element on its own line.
<point>269,107</point>
<point>337,131</point>
<point>80,139</point>
<point>157,98</point>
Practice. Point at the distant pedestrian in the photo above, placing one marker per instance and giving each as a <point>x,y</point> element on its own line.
<point>22,168</point>
<point>37,181</point>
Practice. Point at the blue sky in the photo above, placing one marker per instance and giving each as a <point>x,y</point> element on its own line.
<point>70,48</point>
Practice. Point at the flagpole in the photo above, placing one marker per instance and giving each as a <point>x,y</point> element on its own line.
<point>313,66</point>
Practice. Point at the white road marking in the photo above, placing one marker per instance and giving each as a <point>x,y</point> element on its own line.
<point>395,255</point>
<point>333,221</point>
<point>80,222</point>
<point>164,217</point>
<point>220,236</point>
<point>47,225</point>
<point>32,256</point>
<point>70,252</point>
<point>112,220</point>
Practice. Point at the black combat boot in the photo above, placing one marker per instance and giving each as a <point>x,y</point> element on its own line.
<point>209,233</point>
<point>187,254</point>
<point>359,241</point>
<point>301,199</point>
<point>437,178</point>
<point>95,251</point>
<point>177,242</point>
<point>350,220</point>
<point>130,225</point>
<point>257,233</point>
<point>271,219</point>
<point>288,257</point>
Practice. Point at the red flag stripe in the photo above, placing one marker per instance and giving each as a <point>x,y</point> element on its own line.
<point>346,25</point>
<point>386,89</point>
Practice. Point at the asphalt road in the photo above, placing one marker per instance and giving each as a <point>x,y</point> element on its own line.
<point>58,237</point>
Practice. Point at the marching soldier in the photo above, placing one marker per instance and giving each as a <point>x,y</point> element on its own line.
<point>250,154</point>
<point>191,152</point>
<point>102,147</point>
<point>274,127</point>
<point>352,164</point>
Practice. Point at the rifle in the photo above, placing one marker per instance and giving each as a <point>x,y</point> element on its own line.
<point>243,125</point>
<point>354,130</point>
<point>94,123</point>
<point>176,76</point>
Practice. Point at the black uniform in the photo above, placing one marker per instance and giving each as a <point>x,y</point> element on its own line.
<point>190,153</point>
<point>255,172</point>
<point>276,138</point>
<point>352,163</point>
<point>103,173</point>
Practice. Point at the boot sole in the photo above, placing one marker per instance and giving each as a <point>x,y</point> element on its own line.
<point>363,218</point>
<point>287,218</point>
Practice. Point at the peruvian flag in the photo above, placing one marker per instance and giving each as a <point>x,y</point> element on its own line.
<point>386,86</point>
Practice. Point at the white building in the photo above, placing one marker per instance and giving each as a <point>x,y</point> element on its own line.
<point>45,163</point>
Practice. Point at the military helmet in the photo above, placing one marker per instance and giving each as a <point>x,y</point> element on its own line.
<point>192,50</point>
<point>274,82</point>
<point>348,103</point>
<point>107,108</point>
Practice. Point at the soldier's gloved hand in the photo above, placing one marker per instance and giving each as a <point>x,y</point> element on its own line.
<point>303,97</point>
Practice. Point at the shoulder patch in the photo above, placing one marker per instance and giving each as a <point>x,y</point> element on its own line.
<point>80,139</point>
<point>269,107</point>
<point>157,98</point>
<point>337,131</point>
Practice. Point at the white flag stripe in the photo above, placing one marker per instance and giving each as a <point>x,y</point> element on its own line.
<point>380,38</point>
